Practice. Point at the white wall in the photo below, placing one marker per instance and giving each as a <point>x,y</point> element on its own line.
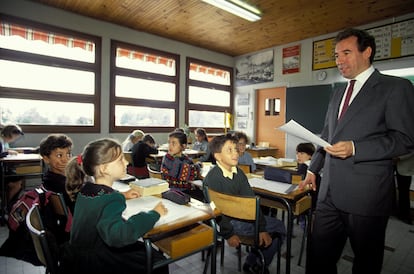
<point>41,13</point>
<point>307,77</point>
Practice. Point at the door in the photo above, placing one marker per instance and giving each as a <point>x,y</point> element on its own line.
<point>271,113</point>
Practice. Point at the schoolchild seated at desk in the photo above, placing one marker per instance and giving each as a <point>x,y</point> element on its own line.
<point>140,152</point>
<point>14,185</point>
<point>132,139</point>
<point>227,178</point>
<point>201,144</point>
<point>245,158</point>
<point>101,240</point>
<point>56,151</point>
<point>304,152</point>
<point>178,169</point>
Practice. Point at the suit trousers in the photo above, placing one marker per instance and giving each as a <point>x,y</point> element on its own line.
<point>331,229</point>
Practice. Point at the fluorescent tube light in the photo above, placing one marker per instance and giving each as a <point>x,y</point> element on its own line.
<point>237,7</point>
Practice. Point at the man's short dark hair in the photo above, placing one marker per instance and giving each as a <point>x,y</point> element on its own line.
<point>364,40</point>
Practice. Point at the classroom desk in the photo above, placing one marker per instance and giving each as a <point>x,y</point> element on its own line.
<point>262,151</point>
<point>178,234</point>
<point>295,203</point>
<point>189,152</point>
<point>27,165</point>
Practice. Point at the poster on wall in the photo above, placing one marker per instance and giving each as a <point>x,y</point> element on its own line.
<point>291,59</point>
<point>254,69</point>
<point>243,99</point>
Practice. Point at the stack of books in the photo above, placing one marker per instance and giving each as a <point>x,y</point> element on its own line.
<point>149,186</point>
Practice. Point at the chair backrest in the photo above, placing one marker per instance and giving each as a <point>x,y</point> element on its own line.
<point>41,239</point>
<point>246,168</point>
<point>154,173</point>
<point>239,207</point>
<point>277,174</point>
<point>58,204</point>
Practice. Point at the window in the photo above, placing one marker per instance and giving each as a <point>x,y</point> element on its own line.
<point>50,77</point>
<point>144,89</point>
<point>209,95</point>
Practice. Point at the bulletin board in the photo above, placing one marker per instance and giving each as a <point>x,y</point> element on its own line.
<point>393,41</point>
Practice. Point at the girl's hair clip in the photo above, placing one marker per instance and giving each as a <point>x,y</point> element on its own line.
<point>79,159</point>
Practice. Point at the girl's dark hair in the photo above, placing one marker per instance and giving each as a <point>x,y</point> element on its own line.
<point>364,40</point>
<point>241,135</point>
<point>307,148</point>
<point>217,143</point>
<point>202,132</point>
<point>181,136</point>
<point>101,151</point>
<point>54,141</point>
<point>148,138</point>
<point>9,130</point>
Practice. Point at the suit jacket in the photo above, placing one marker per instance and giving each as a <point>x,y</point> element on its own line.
<point>380,123</point>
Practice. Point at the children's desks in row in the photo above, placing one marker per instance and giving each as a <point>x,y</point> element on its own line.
<point>178,234</point>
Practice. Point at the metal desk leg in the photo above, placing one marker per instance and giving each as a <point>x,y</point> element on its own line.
<point>289,237</point>
<point>148,251</point>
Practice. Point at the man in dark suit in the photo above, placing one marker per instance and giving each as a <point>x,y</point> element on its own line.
<point>356,192</point>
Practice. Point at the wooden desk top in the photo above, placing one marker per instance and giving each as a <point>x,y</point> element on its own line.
<point>178,216</point>
<point>292,196</point>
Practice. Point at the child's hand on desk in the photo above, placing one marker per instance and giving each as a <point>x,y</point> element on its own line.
<point>309,181</point>
<point>233,241</point>
<point>12,152</point>
<point>131,194</point>
<point>161,209</point>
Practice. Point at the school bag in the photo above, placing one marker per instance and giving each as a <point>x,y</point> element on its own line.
<point>19,244</point>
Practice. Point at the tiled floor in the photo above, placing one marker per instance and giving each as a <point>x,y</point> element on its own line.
<point>399,256</point>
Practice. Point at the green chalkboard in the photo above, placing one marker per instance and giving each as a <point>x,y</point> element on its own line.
<point>307,105</point>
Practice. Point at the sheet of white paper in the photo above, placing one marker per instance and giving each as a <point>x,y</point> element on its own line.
<point>147,203</point>
<point>273,186</point>
<point>293,128</point>
<point>265,161</point>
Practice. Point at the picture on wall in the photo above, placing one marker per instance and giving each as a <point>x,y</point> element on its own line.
<point>291,59</point>
<point>254,69</point>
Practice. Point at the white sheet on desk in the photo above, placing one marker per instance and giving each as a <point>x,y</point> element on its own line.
<point>268,160</point>
<point>147,203</point>
<point>121,187</point>
<point>198,183</point>
<point>273,186</point>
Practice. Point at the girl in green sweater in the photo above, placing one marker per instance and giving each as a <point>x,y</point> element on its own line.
<point>101,240</point>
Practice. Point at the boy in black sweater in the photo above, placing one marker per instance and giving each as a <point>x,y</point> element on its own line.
<point>226,177</point>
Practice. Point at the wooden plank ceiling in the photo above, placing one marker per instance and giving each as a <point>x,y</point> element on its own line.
<point>200,24</point>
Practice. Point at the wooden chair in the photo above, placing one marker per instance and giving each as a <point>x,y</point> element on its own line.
<point>154,173</point>
<point>230,205</point>
<point>43,241</point>
<point>246,168</point>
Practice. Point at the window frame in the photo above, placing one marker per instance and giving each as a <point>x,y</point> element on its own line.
<point>37,59</point>
<point>198,107</point>
<point>114,100</point>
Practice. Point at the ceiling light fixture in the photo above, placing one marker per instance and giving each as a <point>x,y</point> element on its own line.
<point>237,7</point>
